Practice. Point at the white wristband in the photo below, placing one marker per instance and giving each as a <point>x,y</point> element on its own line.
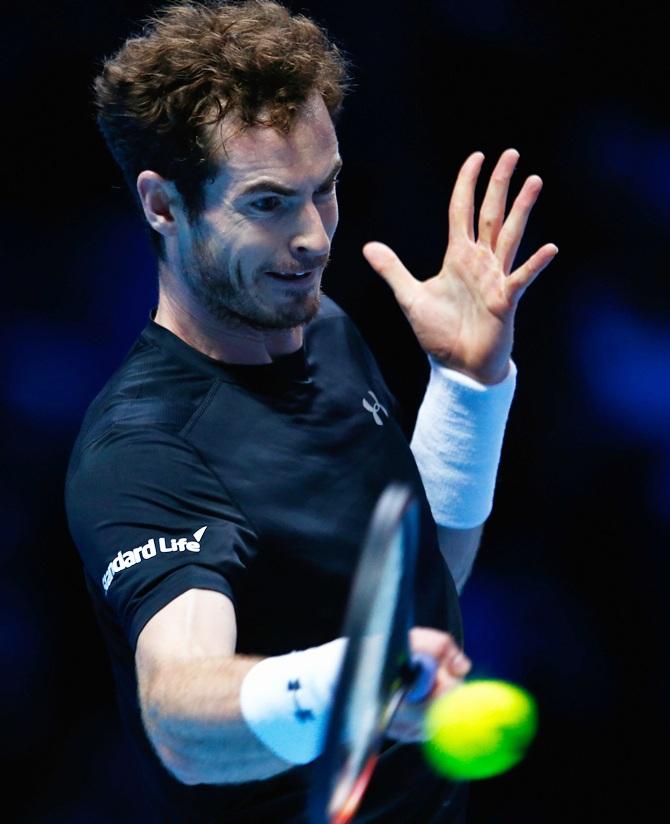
<point>457,443</point>
<point>286,700</point>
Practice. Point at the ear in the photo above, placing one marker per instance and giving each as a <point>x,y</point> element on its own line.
<point>159,199</point>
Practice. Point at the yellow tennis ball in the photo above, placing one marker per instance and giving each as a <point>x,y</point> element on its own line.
<point>479,729</point>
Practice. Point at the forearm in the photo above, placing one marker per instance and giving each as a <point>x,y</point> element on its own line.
<point>456,444</point>
<point>459,549</point>
<point>192,715</point>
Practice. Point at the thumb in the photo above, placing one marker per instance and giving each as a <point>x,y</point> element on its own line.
<point>387,264</point>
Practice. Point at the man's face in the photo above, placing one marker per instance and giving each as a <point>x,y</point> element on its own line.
<point>258,250</point>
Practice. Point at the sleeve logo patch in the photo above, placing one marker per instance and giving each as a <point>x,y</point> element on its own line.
<point>124,560</point>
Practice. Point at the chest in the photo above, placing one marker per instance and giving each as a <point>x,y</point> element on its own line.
<point>305,466</point>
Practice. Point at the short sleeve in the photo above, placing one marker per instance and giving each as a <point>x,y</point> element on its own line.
<point>150,521</point>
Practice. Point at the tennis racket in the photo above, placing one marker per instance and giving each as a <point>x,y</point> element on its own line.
<point>378,671</point>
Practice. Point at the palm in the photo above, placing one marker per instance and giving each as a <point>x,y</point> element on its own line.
<point>461,317</point>
<point>464,315</point>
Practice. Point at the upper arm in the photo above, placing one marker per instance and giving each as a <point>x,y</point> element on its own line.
<point>152,521</point>
<point>199,623</point>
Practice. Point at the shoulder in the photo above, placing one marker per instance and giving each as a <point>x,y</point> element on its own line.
<point>333,335</point>
<point>329,310</point>
<point>150,392</point>
<point>125,448</point>
<point>330,314</point>
<point>332,323</point>
<point>129,469</point>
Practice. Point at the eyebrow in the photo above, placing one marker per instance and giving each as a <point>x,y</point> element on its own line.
<point>268,185</point>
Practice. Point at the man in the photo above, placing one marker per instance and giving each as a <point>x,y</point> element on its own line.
<point>222,482</point>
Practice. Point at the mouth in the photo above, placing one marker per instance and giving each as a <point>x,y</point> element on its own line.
<point>293,277</point>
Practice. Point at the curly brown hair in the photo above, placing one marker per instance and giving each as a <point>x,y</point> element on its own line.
<point>196,63</point>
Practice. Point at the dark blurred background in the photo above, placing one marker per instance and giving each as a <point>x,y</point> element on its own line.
<point>568,597</point>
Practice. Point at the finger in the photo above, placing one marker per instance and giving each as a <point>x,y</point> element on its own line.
<point>455,660</point>
<point>492,212</point>
<point>462,203</point>
<point>515,225</point>
<point>520,280</point>
<point>451,659</point>
<point>445,680</point>
<point>387,264</point>
<point>460,664</point>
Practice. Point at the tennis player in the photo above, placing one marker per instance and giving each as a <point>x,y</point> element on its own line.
<point>222,481</point>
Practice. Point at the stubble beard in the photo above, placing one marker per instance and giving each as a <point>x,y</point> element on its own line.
<point>221,290</point>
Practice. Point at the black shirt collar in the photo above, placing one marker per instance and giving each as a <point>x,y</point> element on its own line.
<point>287,369</point>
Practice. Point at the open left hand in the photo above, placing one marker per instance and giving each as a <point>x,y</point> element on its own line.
<point>464,315</point>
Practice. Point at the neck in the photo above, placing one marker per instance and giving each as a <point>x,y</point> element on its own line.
<point>229,340</point>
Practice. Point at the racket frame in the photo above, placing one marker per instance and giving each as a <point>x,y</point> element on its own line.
<point>336,796</point>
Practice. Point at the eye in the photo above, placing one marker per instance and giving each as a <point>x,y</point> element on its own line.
<point>329,189</point>
<point>269,203</point>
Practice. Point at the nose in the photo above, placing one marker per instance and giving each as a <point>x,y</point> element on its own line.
<point>311,241</point>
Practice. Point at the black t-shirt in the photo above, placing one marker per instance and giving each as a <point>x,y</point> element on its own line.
<point>257,482</point>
